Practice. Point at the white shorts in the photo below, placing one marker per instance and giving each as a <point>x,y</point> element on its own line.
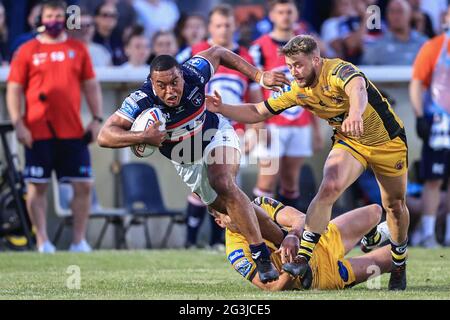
<point>195,175</point>
<point>287,141</point>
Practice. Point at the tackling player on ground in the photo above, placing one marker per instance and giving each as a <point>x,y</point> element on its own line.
<point>366,132</point>
<point>330,270</point>
<point>202,146</point>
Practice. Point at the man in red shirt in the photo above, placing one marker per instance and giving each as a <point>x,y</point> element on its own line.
<point>292,132</point>
<point>50,71</point>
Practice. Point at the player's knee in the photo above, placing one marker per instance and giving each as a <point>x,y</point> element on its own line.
<point>433,184</point>
<point>330,190</point>
<point>223,184</point>
<point>82,189</point>
<point>376,212</point>
<point>396,207</point>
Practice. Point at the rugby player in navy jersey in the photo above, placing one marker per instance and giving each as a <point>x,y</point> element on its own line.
<point>202,146</point>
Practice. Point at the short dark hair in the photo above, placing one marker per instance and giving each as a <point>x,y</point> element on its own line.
<point>223,9</point>
<point>162,63</point>
<point>54,4</point>
<point>135,31</point>
<point>305,44</point>
<point>272,3</point>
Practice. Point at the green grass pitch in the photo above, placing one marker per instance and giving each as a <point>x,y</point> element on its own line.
<point>186,274</point>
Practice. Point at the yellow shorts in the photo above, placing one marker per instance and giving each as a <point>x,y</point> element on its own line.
<point>330,270</point>
<point>388,159</point>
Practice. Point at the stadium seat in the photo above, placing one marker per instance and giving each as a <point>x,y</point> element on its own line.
<point>142,198</point>
<point>62,198</point>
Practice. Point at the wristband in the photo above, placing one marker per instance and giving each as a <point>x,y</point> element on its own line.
<point>97,118</point>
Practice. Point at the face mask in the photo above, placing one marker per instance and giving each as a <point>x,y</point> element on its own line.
<point>54,29</point>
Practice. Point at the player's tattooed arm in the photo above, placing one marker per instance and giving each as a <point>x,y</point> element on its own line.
<point>116,134</point>
<point>218,55</point>
<point>357,92</point>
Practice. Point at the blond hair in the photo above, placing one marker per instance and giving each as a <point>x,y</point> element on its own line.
<point>300,44</point>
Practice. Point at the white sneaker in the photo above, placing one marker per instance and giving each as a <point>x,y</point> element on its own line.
<point>447,242</point>
<point>383,230</point>
<point>219,247</point>
<point>47,247</point>
<point>416,237</point>
<point>83,246</point>
<point>430,243</point>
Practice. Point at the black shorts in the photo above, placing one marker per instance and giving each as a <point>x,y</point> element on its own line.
<point>68,157</point>
<point>435,164</point>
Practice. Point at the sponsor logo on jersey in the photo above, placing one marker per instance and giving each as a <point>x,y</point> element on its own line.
<point>243,267</point>
<point>138,95</point>
<point>235,255</point>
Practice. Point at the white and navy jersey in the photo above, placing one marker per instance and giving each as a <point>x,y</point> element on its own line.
<point>232,85</point>
<point>183,123</point>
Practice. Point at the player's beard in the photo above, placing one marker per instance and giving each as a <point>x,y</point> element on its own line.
<point>309,80</point>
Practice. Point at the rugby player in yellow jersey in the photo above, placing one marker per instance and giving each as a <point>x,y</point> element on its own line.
<point>367,132</point>
<point>330,269</point>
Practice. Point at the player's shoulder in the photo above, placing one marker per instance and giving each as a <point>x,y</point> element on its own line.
<point>268,201</point>
<point>194,70</point>
<point>29,47</point>
<point>265,38</point>
<point>145,92</point>
<point>434,44</point>
<point>338,68</point>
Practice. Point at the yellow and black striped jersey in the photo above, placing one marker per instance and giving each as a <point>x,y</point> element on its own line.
<point>328,101</point>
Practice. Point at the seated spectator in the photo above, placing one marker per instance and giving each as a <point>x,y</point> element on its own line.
<point>342,10</point>
<point>137,48</point>
<point>100,56</point>
<point>400,44</point>
<point>127,14</point>
<point>156,15</point>
<point>163,42</point>
<point>106,16</point>
<point>4,50</point>
<point>420,20</point>
<point>346,32</point>
<point>190,30</point>
<point>32,23</point>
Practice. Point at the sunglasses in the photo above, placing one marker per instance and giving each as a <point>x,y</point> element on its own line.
<point>109,15</point>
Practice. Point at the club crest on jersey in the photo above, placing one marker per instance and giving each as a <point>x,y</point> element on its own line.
<point>71,54</point>
<point>197,100</point>
<point>399,165</point>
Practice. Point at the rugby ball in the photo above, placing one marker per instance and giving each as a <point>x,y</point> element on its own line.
<point>142,122</point>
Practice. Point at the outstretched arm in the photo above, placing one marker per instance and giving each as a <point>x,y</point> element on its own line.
<point>245,113</point>
<point>218,55</point>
